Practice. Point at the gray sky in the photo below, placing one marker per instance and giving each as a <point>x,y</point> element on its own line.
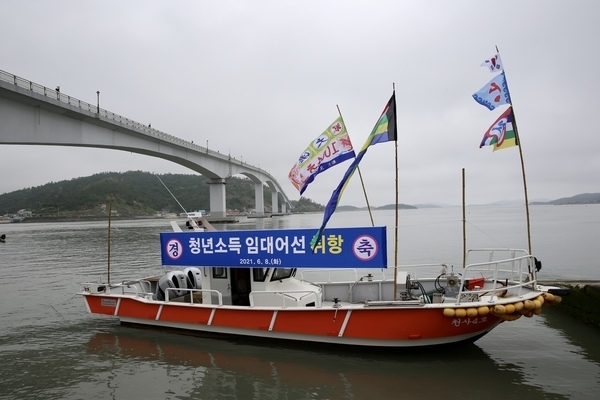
<point>261,79</point>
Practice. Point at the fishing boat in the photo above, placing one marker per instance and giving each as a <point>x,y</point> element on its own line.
<point>269,284</point>
<point>329,287</point>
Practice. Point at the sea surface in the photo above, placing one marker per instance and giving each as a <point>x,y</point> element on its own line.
<point>51,348</point>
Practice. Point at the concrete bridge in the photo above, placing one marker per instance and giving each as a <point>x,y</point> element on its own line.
<point>32,114</point>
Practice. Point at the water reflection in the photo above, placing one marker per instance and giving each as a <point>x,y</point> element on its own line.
<point>52,348</point>
<point>552,352</point>
<point>217,368</point>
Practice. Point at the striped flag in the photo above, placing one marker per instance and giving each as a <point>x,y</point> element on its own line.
<point>384,131</point>
<point>502,133</point>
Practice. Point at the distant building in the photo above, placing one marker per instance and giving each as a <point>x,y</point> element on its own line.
<point>24,213</point>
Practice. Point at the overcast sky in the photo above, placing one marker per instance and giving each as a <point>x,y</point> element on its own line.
<point>261,79</point>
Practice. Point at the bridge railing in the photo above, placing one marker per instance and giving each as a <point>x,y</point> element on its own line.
<point>56,94</point>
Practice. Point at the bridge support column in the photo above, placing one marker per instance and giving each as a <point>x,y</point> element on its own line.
<point>217,198</point>
<point>259,198</point>
<point>274,203</point>
<point>284,208</point>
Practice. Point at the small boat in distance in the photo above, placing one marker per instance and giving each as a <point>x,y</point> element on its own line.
<point>191,214</point>
<point>252,285</point>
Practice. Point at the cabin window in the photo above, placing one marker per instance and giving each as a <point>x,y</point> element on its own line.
<point>282,273</point>
<point>219,272</point>
<point>259,274</point>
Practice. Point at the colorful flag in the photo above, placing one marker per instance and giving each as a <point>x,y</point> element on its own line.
<point>494,93</point>
<point>494,64</point>
<point>502,133</point>
<point>332,147</point>
<point>384,131</point>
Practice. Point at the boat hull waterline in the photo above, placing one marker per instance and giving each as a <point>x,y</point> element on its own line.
<point>369,323</point>
<point>385,326</point>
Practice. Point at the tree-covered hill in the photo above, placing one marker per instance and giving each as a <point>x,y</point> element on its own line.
<point>134,194</point>
<point>583,198</point>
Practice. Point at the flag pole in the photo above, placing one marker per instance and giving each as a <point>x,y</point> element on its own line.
<point>464,221</point>
<point>518,143</point>
<point>361,179</point>
<point>396,221</point>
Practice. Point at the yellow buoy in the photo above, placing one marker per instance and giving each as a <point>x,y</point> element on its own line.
<point>537,311</point>
<point>449,312</point>
<point>461,312</point>
<point>540,298</point>
<point>557,300</point>
<point>528,305</point>
<point>537,303</point>
<point>499,309</point>
<point>528,313</point>
<point>549,297</point>
<point>483,310</point>
<point>510,308</point>
<point>510,317</point>
<point>471,312</point>
<point>519,306</point>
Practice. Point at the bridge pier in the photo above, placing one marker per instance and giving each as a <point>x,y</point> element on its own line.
<point>259,199</point>
<point>274,202</point>
<point>217,197</point>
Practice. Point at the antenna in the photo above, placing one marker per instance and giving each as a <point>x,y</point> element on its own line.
<point>193,222</point>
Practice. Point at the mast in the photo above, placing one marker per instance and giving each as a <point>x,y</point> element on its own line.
<point>464,221</point>
<point>396,226</point>
<point>110,200</point>
<point>396,216</point>
<point>518,143</point>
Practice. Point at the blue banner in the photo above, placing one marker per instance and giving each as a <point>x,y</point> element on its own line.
<point>363,247</point>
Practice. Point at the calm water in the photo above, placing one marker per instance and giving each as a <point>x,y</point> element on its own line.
<point>52,349</point>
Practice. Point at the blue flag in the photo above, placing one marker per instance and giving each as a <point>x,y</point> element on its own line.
<point>384,131</point>
<point>494,93</point>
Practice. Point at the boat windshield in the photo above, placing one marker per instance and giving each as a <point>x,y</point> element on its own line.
<point>259,274</point>
<point>282,273</point>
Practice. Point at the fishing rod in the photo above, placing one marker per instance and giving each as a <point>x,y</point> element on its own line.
<point>192,221</point>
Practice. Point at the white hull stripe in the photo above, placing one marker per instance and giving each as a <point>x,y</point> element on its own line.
<point>212,315</point>
<point>343,328</point>
<point>117,307</point>
<point>273,318</point>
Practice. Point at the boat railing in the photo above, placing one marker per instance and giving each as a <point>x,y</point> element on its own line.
<point>506,274</point>
<point>286,295</point>
<point>491,254</point>
<point>517,267</point>
<point>131,287</point>
<point>191,294</point>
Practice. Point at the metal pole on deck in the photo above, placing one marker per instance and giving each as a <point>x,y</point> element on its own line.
<point>464,221</point>
<point>108,238</point>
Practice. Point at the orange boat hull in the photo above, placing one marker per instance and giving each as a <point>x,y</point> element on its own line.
<point>388,326</point>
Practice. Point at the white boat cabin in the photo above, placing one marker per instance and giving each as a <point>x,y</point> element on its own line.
<point>238,286</point>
